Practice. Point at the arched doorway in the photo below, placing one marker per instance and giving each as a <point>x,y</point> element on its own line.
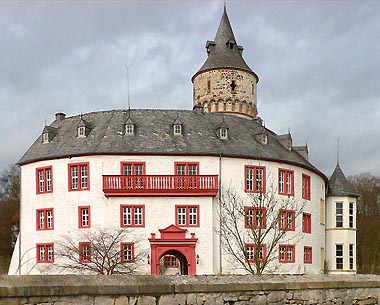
<point>173,243</point>
<point>173,262</point>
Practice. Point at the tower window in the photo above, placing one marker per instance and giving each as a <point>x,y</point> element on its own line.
<point>208,86</point>
<point>253,89</point>
<point>45,138</point>
<point>233,86</point>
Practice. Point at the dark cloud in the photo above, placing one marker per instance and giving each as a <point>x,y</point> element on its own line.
<point>318,64</point>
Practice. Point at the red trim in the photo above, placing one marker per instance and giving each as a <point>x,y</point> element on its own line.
<point>255,247</point>
<point>186,164</point>
<point>254,188</point>
<point>187,215</point>
<point>285,182</point>
<point>45,185</point>
<point>286,250</point>
<point>122,163</point>
<point>306,223</point>
<point>285,226</point>
<point>80,219</point>
<point>45,249</point>
<point>133,219</point>
<point>81,246</point>
<point>307,255</point>
<point>255,221</point>
<point>45,217</point>
<point>132,245</point>
<point>79,182</point>
<point>306,187</point>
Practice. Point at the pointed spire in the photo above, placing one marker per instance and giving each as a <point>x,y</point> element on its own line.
<point>224,33</point>
<point>338,184</point>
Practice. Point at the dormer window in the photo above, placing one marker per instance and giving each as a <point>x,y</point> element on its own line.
<point>48,134</point>
<point>223,133</point>
<point>177,129</point>
<point>81,131</point>
<point>83,128</point>
<point>129,129</point>
<point>264,138</point>
<point>45,138</point>
<point>231,45</point>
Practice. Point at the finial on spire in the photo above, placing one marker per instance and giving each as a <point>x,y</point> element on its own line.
<point>129,100</point>
<point>337,150</point>
<point>225,9</point>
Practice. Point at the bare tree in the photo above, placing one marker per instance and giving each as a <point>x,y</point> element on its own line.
<point>10,183</point>
<point>253,225</point>
<point>100,252</point>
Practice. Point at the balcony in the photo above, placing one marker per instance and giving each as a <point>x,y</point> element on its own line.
<point>160,185</point>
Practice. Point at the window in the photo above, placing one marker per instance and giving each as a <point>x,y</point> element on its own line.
<point>223,133</point>
<point>81,132</point>
<point>253,252</point>
<point>255,179</point>
<point>84,218</point>
<point>129,129</point>
<point>339,256</point>
<point>253,89</point>
<point>177,129</point>
<point>305,187</point>
<point>85,252</point>
<point>44,180</point>
<point>351,256</point>
<point>351,212</point>
<point>133,168</point>
<point>339,214</point>
<point>45,138</point>
<point>287,220</point>
<point>208,86</point>
<point>255,217</point>
<point>45,253</point>
<point>233,85</point>
<point>132,215</point>
<point>306,223</point>
<point>186,169</point>
<point>187,216</point>
<point>307,255</point>
<point>45,219</point>
<point>127,252</point>
<point>286,182</point>
<point>170,261</point>
<point>286,253</point>
<point>79,176</point>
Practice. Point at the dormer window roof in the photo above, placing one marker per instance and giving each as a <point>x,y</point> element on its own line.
<point>222,130</point>
<point>129,127</point>
<point>178,127</point>
<point>48,134</point>
<point>83,128</point>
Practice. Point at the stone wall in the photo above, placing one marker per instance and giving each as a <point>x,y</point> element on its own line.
<point>195,290</point>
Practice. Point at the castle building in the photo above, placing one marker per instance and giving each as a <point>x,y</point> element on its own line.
<point>162,174</point>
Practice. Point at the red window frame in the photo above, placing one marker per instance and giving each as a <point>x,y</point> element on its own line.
<point>42,185</point>
<point>286,187</point>
<point>187,165</point>
<point>287,249</point>
<point>122,246</point>
<point>81,224</point>
<point>306,187</point>
<point>82,258</point>
<point>283,223</point>
<point>306,223</point>
<point>79,183</point>
<point>43,256</point>
<point>187,215</point>
<point>133,215</point>
<point>170,261</point>
<point>44,225</point>
<point>251,183</point>
<point>133,169</point>
<point>255,220</point>
<point>307,255</point>
<point>255,247</point>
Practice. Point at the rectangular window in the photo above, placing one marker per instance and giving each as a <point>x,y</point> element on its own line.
<point>306,223</point>
<point>255,179</point>
<point>305,187</point>
<point>45,253</point>
<point>84,217</point>
<point>186,169</point>
<point>286,182</point>
<point>133,168</point>
<point>339,256</point>
<point>351,211</point>
<point>132,215</point>
<point>286,220</point>
<point>177,129</point>
<point>308,255</point>
<point>254,252</point>
<point>286,253</point>
<point>44,180</point>
<point>127,252</point>
<point>170,261</point>
<point>255,218</point>
<point>339,214</point>
<point>45,219</point>
<point>79,176</point>
<point>351,256</point>
<point>187,216</point>
<point>85,252</point>
<point>129,129</point>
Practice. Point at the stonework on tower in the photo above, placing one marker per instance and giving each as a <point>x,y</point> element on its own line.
<point>225,83</point>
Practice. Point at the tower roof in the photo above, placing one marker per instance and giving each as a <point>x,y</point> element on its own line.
<point>224,52</point>
<point>338,184</point>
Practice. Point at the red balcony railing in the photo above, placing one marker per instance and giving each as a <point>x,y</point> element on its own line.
<point>160,185</point>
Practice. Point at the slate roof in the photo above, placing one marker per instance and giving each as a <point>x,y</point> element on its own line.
<point>338,184</point>
<point>154,135</point>
<point>219,53</point>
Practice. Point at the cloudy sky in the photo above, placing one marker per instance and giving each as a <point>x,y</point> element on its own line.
<point>318,63</point>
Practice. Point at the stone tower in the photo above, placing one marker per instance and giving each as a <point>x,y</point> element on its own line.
<point>225,83</point>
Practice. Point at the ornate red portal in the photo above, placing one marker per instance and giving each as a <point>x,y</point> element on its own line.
<point>173,240</point>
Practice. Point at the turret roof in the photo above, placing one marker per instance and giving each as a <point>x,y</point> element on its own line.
<point>338,184</point>
<point>224,52</point>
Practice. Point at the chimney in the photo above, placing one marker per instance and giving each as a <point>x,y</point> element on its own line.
<point>60,116</point>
